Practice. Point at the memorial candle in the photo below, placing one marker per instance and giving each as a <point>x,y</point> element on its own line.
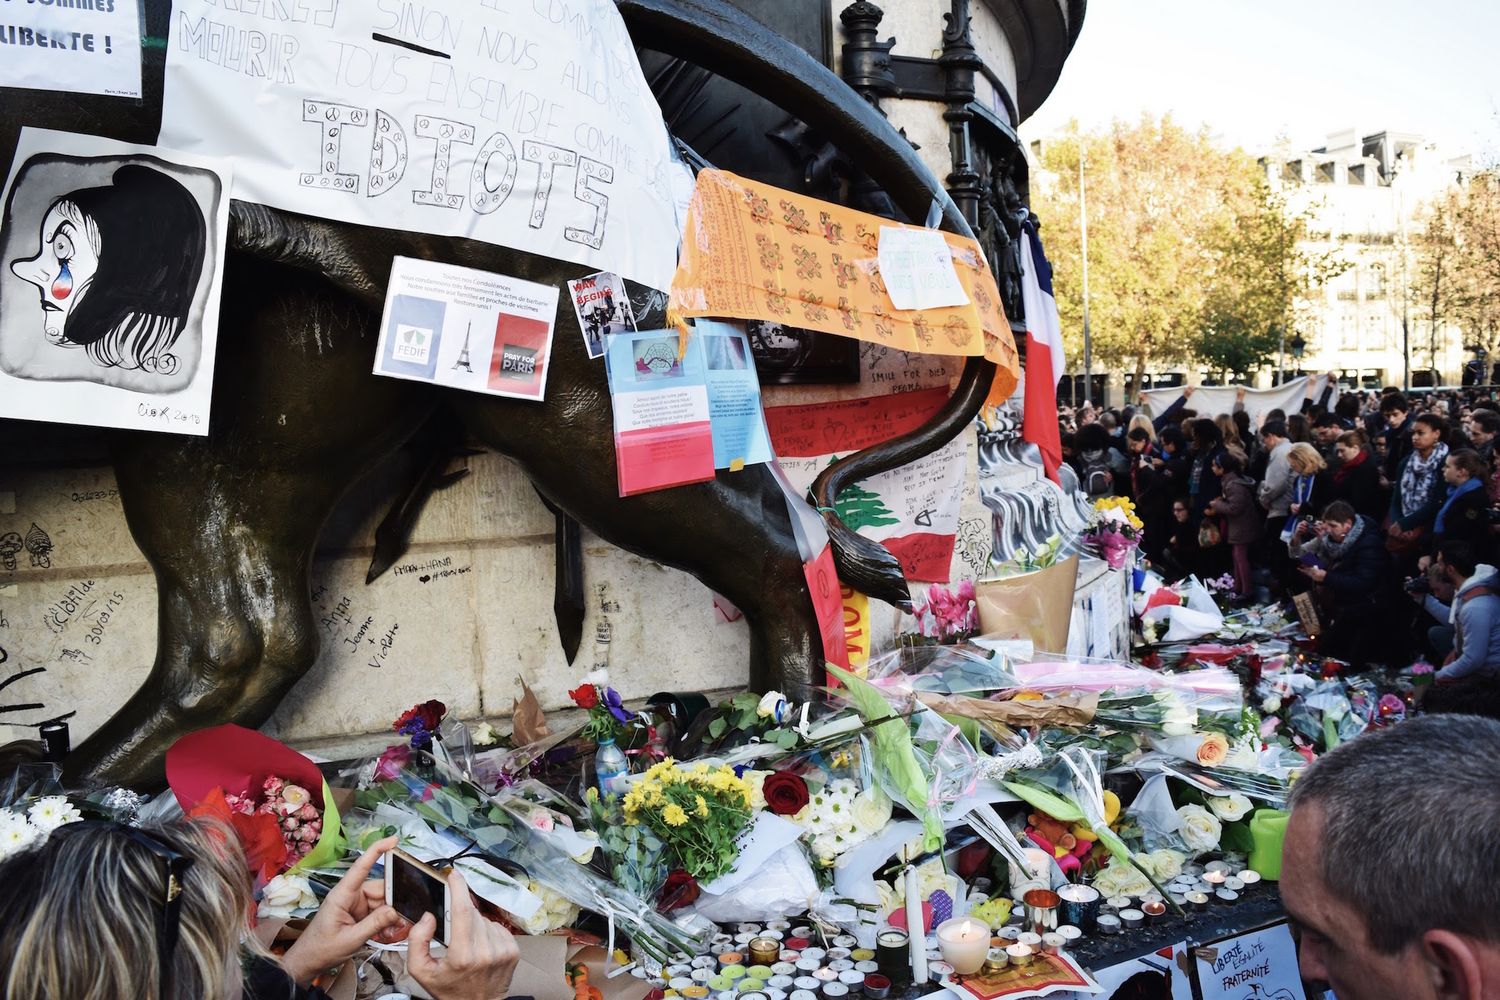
<point>965,943</point>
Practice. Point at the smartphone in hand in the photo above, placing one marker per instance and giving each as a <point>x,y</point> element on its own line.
<point>413,888</point>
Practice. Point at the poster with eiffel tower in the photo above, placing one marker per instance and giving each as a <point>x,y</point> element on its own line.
<point>466,329</point>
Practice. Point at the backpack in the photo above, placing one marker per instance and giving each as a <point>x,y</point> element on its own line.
<point>1098,479</point>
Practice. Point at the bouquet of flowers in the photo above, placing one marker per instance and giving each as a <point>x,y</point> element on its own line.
<point>274,798</point>
<point>698,812</point>
<point>421,722</point>
<point>607,713</point>
<point>23,827</point>
<point>947,616</point>
<point>1115,529</point>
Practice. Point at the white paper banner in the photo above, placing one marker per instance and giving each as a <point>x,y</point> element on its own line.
<point>72,46</point>
<point>1212,400</point>
<point>523,123</point>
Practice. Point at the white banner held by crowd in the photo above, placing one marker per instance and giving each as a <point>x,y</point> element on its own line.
<point>1212,400</point>
<point>522,123</point>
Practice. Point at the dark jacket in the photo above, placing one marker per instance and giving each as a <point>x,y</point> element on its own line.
<point>1421,517</point>
<point>1465,519</point>
<point>1397,447</point>
<point>1236,504</point>
<point>1359,576</point>
<point>1358,484</point>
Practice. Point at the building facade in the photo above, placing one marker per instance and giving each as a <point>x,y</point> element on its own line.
<point>1367,195</point>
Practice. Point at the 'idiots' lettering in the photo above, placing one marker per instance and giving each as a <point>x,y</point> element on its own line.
<point>491,177</point>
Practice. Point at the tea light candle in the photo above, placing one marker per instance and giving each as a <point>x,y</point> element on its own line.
<point>1227,896</point>
<point>877,986</point>
<point>720,983</point>
<point>841,964</point>
<point>745,937</point>
<point>787,955</point>
<point>1080,904</point>
<point>748,928</point>
<point>680,983</point>
<point>1034,941</point>
<point>778,925</point>
<point>852,978</point>
<point>816,954</point>
<point>1118,903</point>
<point>807,983</point>
<point>965,942</point>
<point>1010,933</point>
<point>833,953</point>
<point>867,967</point>
<point>774,935</point>
<point>802,931</point>
<point>783,969</point>
<point>1197,900</point>
<point>700,975</point>
<point>809,965</point>
<point>1217,866</point>
<point>1249,876</point>
<point>803,995</point>
<point>764,950</point>
<point>1070,933</point>
<point>1154,911</point>
<point>734,973</point>
<point>1131,919</point>
<point>796,942</point>
<point>695,992</point>
<point>845,941</point>
<point>782,982</point>
<point>730,958</point>
<point>754,992</point>
<point>940,970</point>
<point>1234,884</point>
<point>673,971</point>
<point>863,954</point>
<point>825,975</point>
<point>704,962</point>
<point>995,961</point>
<point>772,994</point>
<point>1019,954</point>
<point>1108,924</point>
<point>835,991</point>
<point>1215,878</point>
<point>761,972</point>
<point>1053,943</point>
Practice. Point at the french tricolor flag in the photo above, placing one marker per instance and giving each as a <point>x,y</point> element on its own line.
<point>1044,352</point>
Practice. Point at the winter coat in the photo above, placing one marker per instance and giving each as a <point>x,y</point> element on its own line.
<point>1465,519</point>
<point>1358,568</point>
<point>1358,484</point>
<point>1236,504</point>
<point>1275,492</point>
<point>1477,618</point>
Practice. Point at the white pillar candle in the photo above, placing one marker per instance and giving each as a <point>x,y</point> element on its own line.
<point>965,943</point>
<point>914,928</point>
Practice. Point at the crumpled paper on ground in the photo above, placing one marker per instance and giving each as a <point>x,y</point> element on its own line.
<point>1073,708</point>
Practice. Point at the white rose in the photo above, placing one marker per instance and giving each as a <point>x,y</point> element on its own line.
<point>1179,720</point>
<point>1121,879</point>
<point>772,706</point>
<point>1230,808</point>
<point>1200,829</point>
<point>484,735</point>
<point>1163,864</point>
<point>49,813</point>
<point>757,782</point>
<point>286,894</point>
<point>1271,705</point>
<point>296,797</point>
<point>871,811</point>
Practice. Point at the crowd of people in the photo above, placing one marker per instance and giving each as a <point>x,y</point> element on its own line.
<point>1383,506</point>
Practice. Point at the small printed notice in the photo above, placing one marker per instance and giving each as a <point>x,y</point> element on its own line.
<point>111,264</point>
<point>72,46</point>
<point>739,423</point>
<point>602,305</point>
<point>466,329</point>
<point>663,436</point>
<point>1261,964</point>
<point>917,268</point>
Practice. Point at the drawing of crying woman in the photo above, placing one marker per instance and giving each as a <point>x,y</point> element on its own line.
<point>118,267</point>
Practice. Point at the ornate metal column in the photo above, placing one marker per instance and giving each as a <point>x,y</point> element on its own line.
<point>867,60</point>
<point>960,62</point>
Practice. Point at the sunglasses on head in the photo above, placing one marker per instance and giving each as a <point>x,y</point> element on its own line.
<point>174,865</point>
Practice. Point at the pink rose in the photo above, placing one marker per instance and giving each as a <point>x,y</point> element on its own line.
<point>290,823</point>
<point>307,813</point>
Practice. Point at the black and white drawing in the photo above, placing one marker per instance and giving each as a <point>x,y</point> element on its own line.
<point>111,262</point>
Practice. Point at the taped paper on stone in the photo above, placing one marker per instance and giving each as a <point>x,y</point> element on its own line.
<point>72,47</point>
<point>466,329</point>
<point>113,260</point>
<point>663,435</point>
<point>500,122</point>
<point>753,251</point>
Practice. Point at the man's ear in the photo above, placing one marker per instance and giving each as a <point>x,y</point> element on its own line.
<point>1454,965</point>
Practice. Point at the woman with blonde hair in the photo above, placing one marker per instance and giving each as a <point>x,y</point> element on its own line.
<point>1142,422</point>
<point>1309,488</point>
<point>102,911</point>
<point>1230,432</point>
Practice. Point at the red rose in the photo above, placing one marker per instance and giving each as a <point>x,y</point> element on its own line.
<point>429,714</point>
<point>785,793</point>
<point>585,696</point>
<point>679,890</point>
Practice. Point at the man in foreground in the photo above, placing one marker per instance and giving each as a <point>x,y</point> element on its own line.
<point>1391,866</point>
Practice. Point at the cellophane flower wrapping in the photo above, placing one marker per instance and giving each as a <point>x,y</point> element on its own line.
<point>523,834</point>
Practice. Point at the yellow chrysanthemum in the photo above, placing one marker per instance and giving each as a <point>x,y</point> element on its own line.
<point>674,815</point>
<point>702,807</point>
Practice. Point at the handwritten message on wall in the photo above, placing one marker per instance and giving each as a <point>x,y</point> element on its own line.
<point>523,123</point>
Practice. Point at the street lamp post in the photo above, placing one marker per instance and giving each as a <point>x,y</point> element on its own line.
<point>1088,340</point>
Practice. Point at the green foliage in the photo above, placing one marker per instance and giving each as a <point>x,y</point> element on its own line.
<point>1191,255</point>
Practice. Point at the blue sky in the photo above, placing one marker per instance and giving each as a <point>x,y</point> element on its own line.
<point>1252,71</point>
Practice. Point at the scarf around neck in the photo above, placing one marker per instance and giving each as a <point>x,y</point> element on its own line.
<point>1342,472</point>
<point>1468,486</point>
<point>1335,550</point>
<point>1419,479</point>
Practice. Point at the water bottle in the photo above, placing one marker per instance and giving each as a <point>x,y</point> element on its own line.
<point>610,767</point>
